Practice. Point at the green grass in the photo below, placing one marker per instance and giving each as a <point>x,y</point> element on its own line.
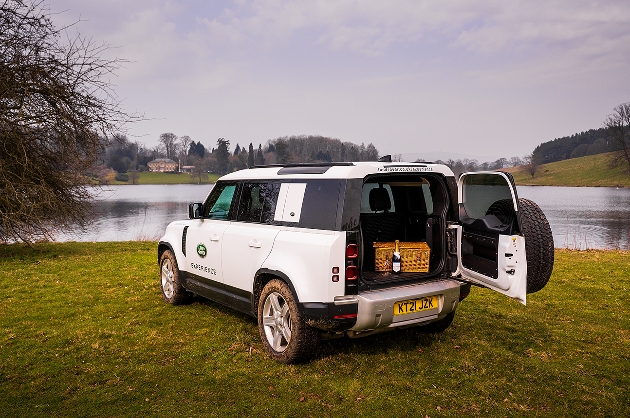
<point>591,170</point>
<point>149,177</point>
<point>84,332</point>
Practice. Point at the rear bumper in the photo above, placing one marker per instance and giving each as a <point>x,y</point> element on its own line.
<point>376,308</point>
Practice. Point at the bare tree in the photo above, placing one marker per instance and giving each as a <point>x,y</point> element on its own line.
<point>169,141</point>
<point>618,125</point>
<point>200,168</point>
<point>530,164</point>
<point>184,145</point>
<point>500,163</point>
<point>57,112</point>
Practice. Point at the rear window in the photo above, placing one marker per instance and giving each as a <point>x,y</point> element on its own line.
<point>414,196</point>
<point>365,198</point>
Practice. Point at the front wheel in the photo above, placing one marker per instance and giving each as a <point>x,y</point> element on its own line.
<point>172,290</point>
<point>286,337</point>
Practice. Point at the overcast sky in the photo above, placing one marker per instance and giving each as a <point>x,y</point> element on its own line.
<point>484,78</point>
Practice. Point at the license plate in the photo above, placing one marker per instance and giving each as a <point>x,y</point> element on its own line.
<point>415,305</point>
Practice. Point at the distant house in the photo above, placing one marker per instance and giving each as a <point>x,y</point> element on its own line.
<point>162,165</point>
<point>187,168</point>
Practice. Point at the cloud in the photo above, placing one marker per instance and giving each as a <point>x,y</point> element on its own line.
<point>365,70</point>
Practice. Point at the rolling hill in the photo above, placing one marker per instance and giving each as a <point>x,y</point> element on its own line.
<point>592,170</point>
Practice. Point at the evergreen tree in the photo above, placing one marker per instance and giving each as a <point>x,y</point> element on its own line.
<point>192,149</point>
<point>237,150</point>
<point>250,156</point>
<point>260,158</point>
<point>200,150</point>
<point>223,155</point>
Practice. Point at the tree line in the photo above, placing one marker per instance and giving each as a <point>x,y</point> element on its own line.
<point>123,156</point>
<point>468,165</point>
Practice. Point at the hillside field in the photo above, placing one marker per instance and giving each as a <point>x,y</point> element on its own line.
<point>592,170</point>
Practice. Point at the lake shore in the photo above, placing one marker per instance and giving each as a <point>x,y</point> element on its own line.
<point>150,177</point>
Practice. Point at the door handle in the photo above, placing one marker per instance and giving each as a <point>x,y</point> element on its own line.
<point>214,237</point>
<point>255,244</point>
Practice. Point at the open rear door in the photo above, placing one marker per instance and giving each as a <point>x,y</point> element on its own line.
<point>491,245</point>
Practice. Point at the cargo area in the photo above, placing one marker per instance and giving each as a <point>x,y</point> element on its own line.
<point>410,209</point>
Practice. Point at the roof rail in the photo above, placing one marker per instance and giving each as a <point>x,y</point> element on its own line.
<point>305,165</point>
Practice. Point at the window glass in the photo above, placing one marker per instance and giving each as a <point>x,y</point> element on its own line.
<point>258,202</point>
<point>365,197</point>
<point>319,207</point>
<point>480,192</point>
<point>220,201</point>
<point>426,191</point>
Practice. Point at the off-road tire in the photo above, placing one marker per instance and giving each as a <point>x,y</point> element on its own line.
<point>172,290</point>
<point>538,245</point>
<point>303,339</point>
<point>440,325</point>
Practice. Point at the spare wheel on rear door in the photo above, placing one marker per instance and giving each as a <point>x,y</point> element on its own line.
<point>538,244</point>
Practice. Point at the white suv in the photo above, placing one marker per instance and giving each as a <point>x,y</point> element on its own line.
<point>306,249</point>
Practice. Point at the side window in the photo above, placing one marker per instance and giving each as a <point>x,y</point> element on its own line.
<point>219,202</point>
<point>319,209</point>
<point>258,202</point>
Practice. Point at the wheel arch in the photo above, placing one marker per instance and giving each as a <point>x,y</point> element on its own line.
<point>163,246</point>
<point>264,276</point>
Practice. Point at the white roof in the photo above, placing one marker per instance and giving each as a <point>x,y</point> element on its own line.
<point>356,171</point>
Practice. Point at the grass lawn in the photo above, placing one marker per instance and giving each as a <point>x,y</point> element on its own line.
<point>591,170</point>
<point>149,177</point>
<point>84,332</point>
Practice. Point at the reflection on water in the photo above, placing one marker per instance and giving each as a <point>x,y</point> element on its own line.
<point>127,213</point>
<point>584,217</point>
<point>580,217</point>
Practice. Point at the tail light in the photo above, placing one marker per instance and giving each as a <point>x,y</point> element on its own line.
<point>352,273</point>
<point>352,263</point>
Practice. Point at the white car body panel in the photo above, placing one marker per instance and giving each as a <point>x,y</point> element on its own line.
<point>245,247</point>
<point>306,257</point>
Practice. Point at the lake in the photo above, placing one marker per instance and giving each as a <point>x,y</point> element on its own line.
<point>580,217</point>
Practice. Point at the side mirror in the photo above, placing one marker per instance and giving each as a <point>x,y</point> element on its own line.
<point>194,210</point>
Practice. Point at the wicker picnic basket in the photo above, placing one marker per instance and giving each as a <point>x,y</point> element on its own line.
<point>414,256</point>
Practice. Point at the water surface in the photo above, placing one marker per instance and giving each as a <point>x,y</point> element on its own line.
<point>580,217</point>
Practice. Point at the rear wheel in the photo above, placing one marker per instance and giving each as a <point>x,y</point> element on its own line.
<point>286,337</point>
<point>172,290</point>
